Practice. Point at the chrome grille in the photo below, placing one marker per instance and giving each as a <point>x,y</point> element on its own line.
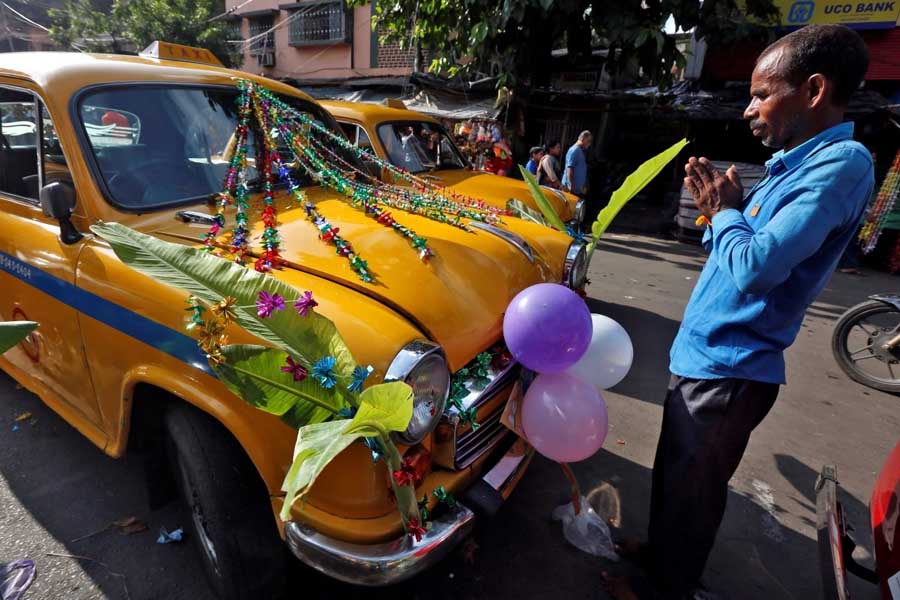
<point>457,445</point>
<point>473,443</point>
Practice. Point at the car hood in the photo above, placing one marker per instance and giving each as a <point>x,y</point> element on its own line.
<point>457,298</point>
<point>498,189</point>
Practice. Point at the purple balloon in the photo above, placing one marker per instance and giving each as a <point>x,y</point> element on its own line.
<point>547,327</point>
<point>564,418</point>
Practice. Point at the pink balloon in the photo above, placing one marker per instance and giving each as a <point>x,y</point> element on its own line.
<point>563,417</point>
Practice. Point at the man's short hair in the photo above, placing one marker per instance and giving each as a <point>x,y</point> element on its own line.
<point>584,134</point>
<point>535,149</point>
<point>835,51</point>
<point>552,143</point>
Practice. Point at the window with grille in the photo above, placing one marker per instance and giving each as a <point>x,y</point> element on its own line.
<point>319,22</point>
<point>265,43</point>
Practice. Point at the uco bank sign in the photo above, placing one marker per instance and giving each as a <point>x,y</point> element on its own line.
<point>859,15</point>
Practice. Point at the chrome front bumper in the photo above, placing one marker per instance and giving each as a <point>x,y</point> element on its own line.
<point>404,557</point>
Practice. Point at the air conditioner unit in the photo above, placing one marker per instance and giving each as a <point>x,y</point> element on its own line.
<point>266,60</point>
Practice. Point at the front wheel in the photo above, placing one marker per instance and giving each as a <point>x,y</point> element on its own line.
<point>231,518</point>
<point>861,347</point>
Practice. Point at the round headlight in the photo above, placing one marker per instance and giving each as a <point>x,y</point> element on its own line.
<point>580,210</point>
<point>576,265</point>
<point>423,366</point>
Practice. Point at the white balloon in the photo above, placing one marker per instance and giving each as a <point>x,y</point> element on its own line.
<point>609,356</point>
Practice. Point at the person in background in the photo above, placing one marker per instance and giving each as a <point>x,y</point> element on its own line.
<point>575,178</point>
<point>535,155</point>
<point>548,169</point>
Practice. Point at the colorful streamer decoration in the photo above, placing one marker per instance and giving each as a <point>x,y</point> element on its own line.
<point>286,140</point>
<point>880,209</point>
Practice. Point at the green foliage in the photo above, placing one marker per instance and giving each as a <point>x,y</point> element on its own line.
<point>211,279</point>
<point>13,332</point>
<point>514,38</point>
<point>525,212</point>
<point>382,409</point>
<point>122,26</point>
<point>632,185</point>
<point>541,200</point>
<point>254,374</point>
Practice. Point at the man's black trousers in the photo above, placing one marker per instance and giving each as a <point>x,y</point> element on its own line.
<point>705,429</point>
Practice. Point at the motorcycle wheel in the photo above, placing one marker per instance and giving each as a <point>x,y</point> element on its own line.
<point>858,345</point>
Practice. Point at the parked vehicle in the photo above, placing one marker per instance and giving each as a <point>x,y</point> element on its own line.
<point>836,545</point>
<point>142,141</point>
<point>418,143</point>
<point>866,342</point>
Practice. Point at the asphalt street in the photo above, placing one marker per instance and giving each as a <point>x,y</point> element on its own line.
<point>55,487</point>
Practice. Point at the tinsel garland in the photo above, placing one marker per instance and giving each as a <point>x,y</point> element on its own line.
<point>880,209</point>
<point>269,119</point>
<point>449,200</point>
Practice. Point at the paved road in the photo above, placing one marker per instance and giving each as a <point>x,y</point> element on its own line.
<point>55,487</point>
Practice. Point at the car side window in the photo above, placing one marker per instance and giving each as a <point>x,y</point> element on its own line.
<point>363,140</point>
<point>55,167</point>
<point>18,144</point>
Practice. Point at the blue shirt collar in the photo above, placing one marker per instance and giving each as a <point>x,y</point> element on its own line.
<point>782,160</point>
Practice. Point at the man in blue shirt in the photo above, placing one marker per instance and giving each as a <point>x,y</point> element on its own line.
<point>770,256</point>
<point>575,173</point>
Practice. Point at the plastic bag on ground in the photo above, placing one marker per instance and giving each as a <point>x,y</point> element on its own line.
<point>586,530</point>
<point>15,578</point>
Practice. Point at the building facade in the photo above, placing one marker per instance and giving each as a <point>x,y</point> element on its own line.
<point>314,40</point>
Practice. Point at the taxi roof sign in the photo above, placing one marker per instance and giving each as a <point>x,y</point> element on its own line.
<point>168,51</point>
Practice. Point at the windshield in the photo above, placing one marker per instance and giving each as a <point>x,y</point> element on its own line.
<point>419,146</point>
<point>158,146</point>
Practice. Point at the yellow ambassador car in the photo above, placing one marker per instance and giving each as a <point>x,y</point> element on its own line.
<point>135,140</point>
<point>419,144</point>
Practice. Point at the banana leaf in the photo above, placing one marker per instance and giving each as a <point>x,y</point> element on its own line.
<point>525,212</point>
<point>541,200</point>
<point>633,184</point>
<point>211,279</point>
<point>13,332</point>
<point>382,409</point>
<point>254,374</point>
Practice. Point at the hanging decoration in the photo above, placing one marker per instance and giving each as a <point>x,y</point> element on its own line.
<point>279,129</point>
<point>880,209</point>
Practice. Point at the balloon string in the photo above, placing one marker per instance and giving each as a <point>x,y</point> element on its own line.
<point>573,486</point>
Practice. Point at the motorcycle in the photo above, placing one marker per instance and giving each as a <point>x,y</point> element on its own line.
<point>866,342</point>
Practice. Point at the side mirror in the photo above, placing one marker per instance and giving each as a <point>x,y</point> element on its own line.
<point>58,202</point>
<point>373,168</point>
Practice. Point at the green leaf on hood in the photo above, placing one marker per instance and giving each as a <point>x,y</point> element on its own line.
<point>541,200</point>
<point>254,374</point>
<point>211,279</point>
<point>383,408</point>
<point>13,332</point>
<point>317,445</point>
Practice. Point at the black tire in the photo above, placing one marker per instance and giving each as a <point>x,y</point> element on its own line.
<point>228,508</point>
<point>842,354</point>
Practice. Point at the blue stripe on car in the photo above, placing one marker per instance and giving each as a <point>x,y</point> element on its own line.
<point>173,343</point>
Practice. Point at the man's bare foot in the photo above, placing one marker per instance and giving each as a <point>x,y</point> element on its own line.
<point>618,586</point>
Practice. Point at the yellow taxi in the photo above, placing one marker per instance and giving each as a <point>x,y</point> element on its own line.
<point>419,144</point>
<point>138,140</point>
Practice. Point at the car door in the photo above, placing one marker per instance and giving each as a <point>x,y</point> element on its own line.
<point>37,270</point>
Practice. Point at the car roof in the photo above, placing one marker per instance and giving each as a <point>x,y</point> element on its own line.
<point>366,111</point>
<point>66,71</point>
